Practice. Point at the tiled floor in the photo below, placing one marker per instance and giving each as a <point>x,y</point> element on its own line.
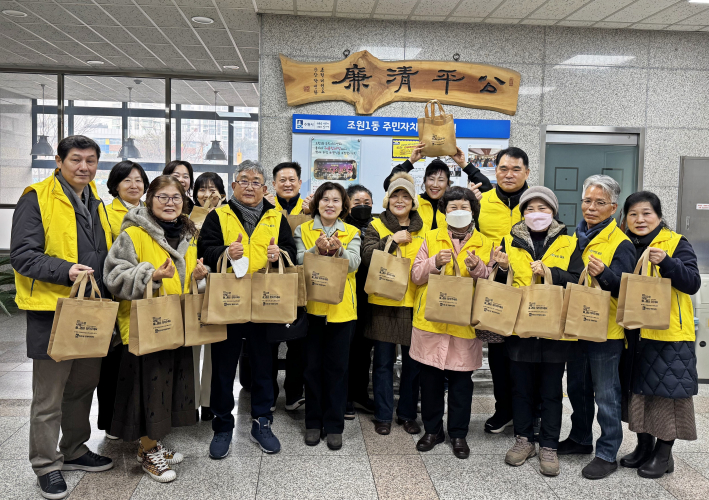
<point>368,466</point>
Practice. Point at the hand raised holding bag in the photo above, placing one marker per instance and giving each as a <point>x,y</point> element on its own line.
<point>586,309</point>
<point>227,299</point>
<point>645,298</point>
<point>437,131</point>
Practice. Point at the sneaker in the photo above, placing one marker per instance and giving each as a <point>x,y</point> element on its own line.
<point>350,412</point>
<point>366,406</point>
<point>219,447</point>
<point>156,467</point>
<point>548,462</point>
<point>497,423</point>
<point>294,406</point>
<point>520,452</point>
<point>262,435</point>
<point>171,457</point>
<point>90,462</point>
<point>112,438</point>
<point>571,447</point>
<point>52,485</point>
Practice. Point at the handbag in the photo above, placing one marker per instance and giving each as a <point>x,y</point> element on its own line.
<point>437,131</point>
<point>388,275</point>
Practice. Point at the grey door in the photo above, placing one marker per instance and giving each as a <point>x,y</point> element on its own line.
<point>693,219</point>
<point>570,158</point>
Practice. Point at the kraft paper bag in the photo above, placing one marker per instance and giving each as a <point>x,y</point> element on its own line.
<point>155,323</point>
<point>295,220</point>
<point>82,327</point>
<point>198,214</point>
<point>300,271</point>
<point>388,274</point>
<point>449,299</point>
<point>496,305</point>
<point>644,300</point>
<point>586,310</point>
<point>540,312</point>
<point>196,332</point>
<point>325,277</point>
<point>437,131</point>
<point>227,299</point>
<point>274,296</point>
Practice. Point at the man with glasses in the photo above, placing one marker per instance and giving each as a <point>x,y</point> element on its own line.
<point>253,233</point>
<point>47,259</point>
<point>594,375</point>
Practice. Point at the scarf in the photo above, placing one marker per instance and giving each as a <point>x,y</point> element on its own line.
<point>586,235</point>
<point>462,234</point>
<point>130,206</point>
<point>82,206</point>
<point>251,215</point>
<point>392,223</point>
<point>288,205</point>
<point>173,230</point>
<point>642,242</point>
<point>511,199</point>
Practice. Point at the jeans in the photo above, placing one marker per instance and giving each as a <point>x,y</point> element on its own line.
<point>529,382</point>
<point>460,400</point>
<point>596,371</point>
<point>501,384</point>
<point>327,350</point>
<point>383,383</point>
<point>225,357</point>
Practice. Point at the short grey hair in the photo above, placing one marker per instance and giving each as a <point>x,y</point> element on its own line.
<point>608,184</point>
<point>250,166</point>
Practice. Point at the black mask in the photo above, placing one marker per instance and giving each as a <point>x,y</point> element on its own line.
<point>361,212</point>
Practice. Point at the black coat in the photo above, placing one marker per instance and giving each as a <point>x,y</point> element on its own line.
<point>534,349</point>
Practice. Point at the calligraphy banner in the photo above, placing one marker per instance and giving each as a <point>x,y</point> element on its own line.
<point>369,83</point>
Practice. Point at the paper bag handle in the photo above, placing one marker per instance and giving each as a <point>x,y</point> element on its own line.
<point>148,293</point>
<point>548,280</point>
<point>454,260</point>
<point>281,265</point>
<point>222,262</point>
<point>510,274</point>
<point>433,103</point>
<point>390,240</point>
<point>584,275</point>
<point>644,262</point>
<point>78,289</point>
<point>286,256</point>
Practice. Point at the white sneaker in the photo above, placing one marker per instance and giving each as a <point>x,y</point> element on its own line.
<point>170,456</point>
<point>156,467</point>
<point>294,406</point>
<point>112,438</point>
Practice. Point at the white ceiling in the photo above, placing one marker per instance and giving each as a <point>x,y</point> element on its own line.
<point>674,15</point>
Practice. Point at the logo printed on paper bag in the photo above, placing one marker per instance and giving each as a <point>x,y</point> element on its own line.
<point>161,324</point>
<point>447,300</point>
<point>317,279</point>
<point>538,310</point>
<point>385,275</point>
<point>590,314</point>
<point>230,299</point>
<point>84,330</point>
<point>648,303</point>
<point>270,299</point>
<point>491,306</point>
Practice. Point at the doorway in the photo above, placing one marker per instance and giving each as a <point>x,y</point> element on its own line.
<point>572,154</point>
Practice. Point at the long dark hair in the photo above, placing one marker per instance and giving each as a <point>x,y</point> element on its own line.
<point>641,197</point>
<point>160,182</point>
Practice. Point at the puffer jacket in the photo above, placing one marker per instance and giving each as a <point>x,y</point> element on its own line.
<point>665,369</point>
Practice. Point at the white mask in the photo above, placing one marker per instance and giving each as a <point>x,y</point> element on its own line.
<point>459,218</point>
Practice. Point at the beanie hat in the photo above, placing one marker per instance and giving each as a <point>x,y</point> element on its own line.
<point>401,180</point>
<point>541,192</point>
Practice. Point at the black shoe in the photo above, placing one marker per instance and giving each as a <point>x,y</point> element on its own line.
<point>410,426</point>
<point>90,462</point>
<point>571,447</point>
<point>382,428</point>
<point>599,468</point>
<point>660,462</point>
<point>207,414</point>
<point>313,436</point>
<point>334,441</point>
<point>497,423</point>
<point>428,441</point>
<point>460,448</point>
<point>52,485</point>
<point>641,453</point>
<point>366,406</point>
<point>350,412</point>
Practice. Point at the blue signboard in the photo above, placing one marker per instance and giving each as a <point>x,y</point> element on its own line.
<point>391,126</point>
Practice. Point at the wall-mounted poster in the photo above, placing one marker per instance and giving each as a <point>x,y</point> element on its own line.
<point>336,160</point>
<point>484,159</point>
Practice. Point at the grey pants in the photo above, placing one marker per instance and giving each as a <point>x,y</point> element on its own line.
<point>61,398</point>
<point>203,387</point>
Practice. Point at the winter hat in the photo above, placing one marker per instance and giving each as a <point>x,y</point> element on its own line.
<point>542,192</point>
<point>401,180</point>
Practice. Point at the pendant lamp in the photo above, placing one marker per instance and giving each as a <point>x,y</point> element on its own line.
<point>215,153</point>
<point>42,146</point>
<point>128,148</point>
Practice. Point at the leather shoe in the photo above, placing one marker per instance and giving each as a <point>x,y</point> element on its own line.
<point>460,448</point>
<point>570,447</point>
<point>383,428</point>
<point>641,453</point>
<point>599,468</point>
<point>660,462</point>
<point>428,441</point>
<point>410,426</point>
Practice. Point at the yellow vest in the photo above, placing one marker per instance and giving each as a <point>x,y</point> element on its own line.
<point>256,245</point>
<point>408,251</point>
<point>682,313</point>
<point>426,211</point>
<point>346,310</point>
<point>60,241</point>
<point>298,209</point>
<point>148,250</point>
<point>116,211</point>
<point>557,255</point>
<point>603,247</point>
<point>496,219</point>
<point>437,240</point>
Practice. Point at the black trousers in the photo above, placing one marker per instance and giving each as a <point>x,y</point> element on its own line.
<point>501,384</point>
<point>360,355</point>
<point>106,389</point>
<point>460,400</point>
<point>225,357</point>
<point>327,350</point>
<point>295,365</point>
<point>544,380</point>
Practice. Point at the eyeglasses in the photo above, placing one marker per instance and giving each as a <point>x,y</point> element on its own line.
<point>598,203</point>
<point>253,184</point>
<point>164,199</point>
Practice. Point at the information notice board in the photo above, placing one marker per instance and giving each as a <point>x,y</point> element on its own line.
<point>363,149</point>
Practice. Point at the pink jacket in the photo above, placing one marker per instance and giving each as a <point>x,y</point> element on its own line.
<point>442,351</point>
